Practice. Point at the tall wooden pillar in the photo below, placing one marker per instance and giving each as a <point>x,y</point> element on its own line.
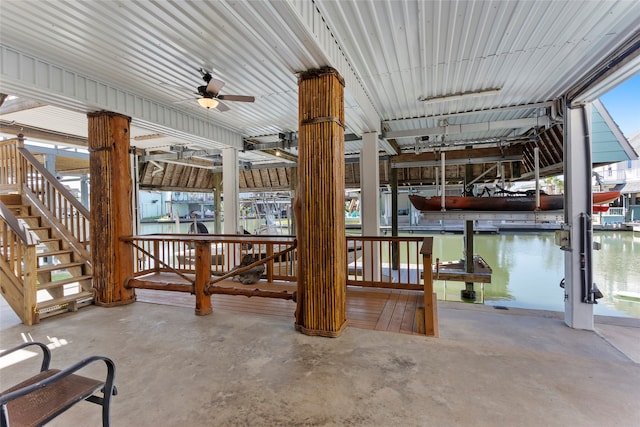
<point>320,224</point>
<point>111,210</point>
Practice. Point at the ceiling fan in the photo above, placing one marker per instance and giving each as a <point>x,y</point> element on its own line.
<point>211,97</point>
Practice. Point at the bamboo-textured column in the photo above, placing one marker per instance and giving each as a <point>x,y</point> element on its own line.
<point>320,204</point>
<point>111,210</point>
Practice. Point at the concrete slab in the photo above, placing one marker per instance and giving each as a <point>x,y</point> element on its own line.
<point>231,369</point>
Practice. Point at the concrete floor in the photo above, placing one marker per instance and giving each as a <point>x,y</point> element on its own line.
<point>489,368</point>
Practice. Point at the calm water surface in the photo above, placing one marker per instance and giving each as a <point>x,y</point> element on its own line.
<point>527,268</point>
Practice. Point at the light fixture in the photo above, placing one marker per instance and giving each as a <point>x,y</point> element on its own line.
<point>460,95</point>
<point>277,152</point>
<point>208,102</point>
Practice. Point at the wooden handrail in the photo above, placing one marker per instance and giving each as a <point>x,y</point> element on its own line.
<point>19,229</point>
<point>174,252</point>
<point>54,181</point>
<point>53,200</point>
<point>18,260</point>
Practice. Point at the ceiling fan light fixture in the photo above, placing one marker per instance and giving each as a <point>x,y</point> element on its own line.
<point>208,103</point>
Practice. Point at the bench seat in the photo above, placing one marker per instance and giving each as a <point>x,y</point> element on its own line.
<point>50,392</point>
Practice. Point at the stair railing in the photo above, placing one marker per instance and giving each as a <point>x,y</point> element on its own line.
<point>41,185</point>
<point>18,264</point>
<point>9,174</point>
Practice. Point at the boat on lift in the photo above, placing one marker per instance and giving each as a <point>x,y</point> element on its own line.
<point>509,202</point>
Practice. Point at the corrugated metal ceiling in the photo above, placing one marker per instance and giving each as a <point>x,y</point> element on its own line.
<point>398,51</point>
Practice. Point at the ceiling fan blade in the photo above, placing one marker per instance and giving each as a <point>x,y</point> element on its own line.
<point>214,86</point>
<point>222,107</point>
<point>240,98</point>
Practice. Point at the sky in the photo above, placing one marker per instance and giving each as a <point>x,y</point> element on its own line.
<point>623,104</point>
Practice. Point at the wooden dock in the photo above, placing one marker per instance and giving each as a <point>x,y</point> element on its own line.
<point>374,309</point>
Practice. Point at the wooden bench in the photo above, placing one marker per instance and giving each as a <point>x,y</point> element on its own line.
<point>49,393</point>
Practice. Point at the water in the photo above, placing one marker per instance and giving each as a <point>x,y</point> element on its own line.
<point>527,267</point>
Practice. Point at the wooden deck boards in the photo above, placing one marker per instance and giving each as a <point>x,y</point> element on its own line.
<point>367,308</point>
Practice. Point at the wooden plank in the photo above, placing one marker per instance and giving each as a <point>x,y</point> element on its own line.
<point>385,316</point>
<point>407,325</point>
<point>366,308</point>
<point>398,313</point>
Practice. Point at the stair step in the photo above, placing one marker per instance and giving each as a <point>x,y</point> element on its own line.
<point>54,253</point>
<point>50,239</point>
<point>28,217</point>
<point>40,228</point>
<point>64,300</point>
<point>18,209</point>
<point>58,283</point>
<point>11,199</point>
<point>50,268</point>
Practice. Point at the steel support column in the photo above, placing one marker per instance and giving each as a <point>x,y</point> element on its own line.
<point>578,258</point>
<point>370,202</point>
<point>230,189</point>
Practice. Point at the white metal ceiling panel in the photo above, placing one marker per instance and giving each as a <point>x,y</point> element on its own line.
<point>393,53</point>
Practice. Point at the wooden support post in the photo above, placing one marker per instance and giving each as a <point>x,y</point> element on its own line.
<point>20,174</point>
<point>431,327</point>
<point>270,263</point>
<point>111,210</point>
<point>203,275</point>
<point>322,287</point>
<point>30,314</point>
<point>156,252</point>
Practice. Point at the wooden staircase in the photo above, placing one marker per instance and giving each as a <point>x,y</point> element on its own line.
<point>63,274</point>
<point>45,259</point>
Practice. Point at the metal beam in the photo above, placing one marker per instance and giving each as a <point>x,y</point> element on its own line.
<point>18,104</point>
<point>541,121</point>
<point>180,155</point>
<point>617,67</point>
<point>390,147</point>
<point>38,149</point>
<point>31,132</point>
<point>536,105</point>
<point>469,161</point>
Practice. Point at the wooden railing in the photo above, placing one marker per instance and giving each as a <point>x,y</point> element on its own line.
<point>381,262</point>
<point>385,262</point>
<point>48,194</point>
<point>176,253</point>
<point>18,264</point>
<point>9,174</point>
<point>21,172</point>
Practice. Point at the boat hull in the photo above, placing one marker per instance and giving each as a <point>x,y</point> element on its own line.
<point>505,203</point>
